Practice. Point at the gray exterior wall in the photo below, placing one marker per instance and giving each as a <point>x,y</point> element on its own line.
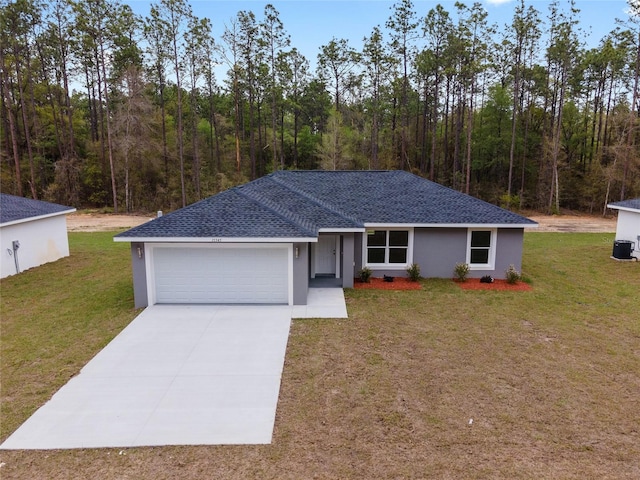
<point>357,252</point>
<point>347,260</point>
<point>437,250</point>
<point>508,251</point>
<point>300,273</point>
<point>140,297</point>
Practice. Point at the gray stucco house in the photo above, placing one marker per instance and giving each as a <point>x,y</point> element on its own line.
<point>265,241</point>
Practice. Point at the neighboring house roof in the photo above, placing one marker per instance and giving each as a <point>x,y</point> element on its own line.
<point>632,204</point>
<point>19,209</point>
<point>298,204</point>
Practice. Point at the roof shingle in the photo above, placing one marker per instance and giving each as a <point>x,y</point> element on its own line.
<point>291,204</point>
<point>13,208</point>
<point>633,203</point>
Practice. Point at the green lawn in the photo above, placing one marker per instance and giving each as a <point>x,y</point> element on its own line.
<point>56,317</point>
<point>439,383</point>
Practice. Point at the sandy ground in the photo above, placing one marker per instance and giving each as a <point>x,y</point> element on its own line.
<point>573,223</point>
<point>98,222</point>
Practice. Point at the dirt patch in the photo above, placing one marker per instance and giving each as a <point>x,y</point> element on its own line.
<point>498,284</point>
<point>399,283</point>
<point>100,222</point>
<point>572,223</point>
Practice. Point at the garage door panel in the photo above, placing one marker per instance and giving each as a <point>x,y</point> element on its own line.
<point>221,275</point>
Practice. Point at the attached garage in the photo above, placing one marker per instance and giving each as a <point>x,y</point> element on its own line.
<point>219,274</point>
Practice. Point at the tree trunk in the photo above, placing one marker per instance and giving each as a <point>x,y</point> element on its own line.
<point>114,191</point>
<point>8,104</point>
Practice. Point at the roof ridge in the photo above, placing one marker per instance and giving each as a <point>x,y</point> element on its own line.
<point>290,217</point>
<point>314,199</point>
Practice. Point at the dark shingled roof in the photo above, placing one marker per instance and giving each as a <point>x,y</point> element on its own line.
<point>292,204</point>
<point>14,208</point>
<point>633,203</point>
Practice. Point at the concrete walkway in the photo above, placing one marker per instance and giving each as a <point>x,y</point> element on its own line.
<point>178,375</point>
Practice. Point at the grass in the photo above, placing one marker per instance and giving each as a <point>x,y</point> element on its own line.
<point>56,317</point>
<point>438,383</point>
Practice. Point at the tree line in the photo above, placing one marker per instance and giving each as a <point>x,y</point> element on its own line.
<point>104,108</point>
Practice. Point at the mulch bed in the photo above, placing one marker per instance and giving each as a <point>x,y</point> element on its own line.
<point>498,284</point>
<point>399,283</point>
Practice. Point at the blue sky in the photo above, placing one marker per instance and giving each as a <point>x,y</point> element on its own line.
<point>313,23</point>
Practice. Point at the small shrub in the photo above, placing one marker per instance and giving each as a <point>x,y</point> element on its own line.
<point>414,272</point>
<point>461,270</point>
<point>509,201</point>
<point>512,275</point>
<point>365,275</point>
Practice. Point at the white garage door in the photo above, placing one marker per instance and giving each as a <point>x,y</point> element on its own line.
<point>221,274</point>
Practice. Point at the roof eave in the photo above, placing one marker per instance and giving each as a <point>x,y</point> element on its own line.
<point>626,209</point>
<point>341,230</point>
<point>215,239</point>
<point>451,225</point>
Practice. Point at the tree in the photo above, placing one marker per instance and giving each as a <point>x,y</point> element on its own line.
<point>524,30</point>
<point>158,51</point>
<point>403,26</point>
<point>97,23</point>
<point>293,72</point>
<point>275,40</point>
<point>437,30</point>
<point>171,16</point>
<point>231,55</point>
<point>196,39</point>
<point>378,65</point>
<point>332,151</point>
<point>132,129</point>
<point>251,57</point>
<point>335,63</point>
<point>561,55</point>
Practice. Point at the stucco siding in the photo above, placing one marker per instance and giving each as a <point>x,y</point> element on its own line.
<point>138,256</point>
<point>628,226</point>
<point>41,241</point>
<point>508,251</point>
<point>357,252</point>
<point>437,250</point>
<point>348,250</point>
<point>300,273</point>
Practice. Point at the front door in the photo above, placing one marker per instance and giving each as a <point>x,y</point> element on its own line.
<point>325,255</point>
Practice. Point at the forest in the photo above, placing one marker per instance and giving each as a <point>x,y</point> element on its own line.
<point>102,108</point>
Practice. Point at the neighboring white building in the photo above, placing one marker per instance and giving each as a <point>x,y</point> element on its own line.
<point>32,232</point>
<point>628,226</point>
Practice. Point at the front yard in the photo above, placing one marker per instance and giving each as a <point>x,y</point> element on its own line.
<point>438,383</point>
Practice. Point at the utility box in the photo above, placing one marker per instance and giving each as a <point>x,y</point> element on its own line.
<point>622,249</point>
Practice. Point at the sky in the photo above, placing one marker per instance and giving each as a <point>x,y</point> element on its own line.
<point>314,23</point>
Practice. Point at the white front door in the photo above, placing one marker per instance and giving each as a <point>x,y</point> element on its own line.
<point>325,255</point>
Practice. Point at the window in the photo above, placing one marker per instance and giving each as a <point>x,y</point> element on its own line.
<point>387,247</point>
<point>481,251</point>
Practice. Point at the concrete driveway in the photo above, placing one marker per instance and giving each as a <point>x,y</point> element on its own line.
<point>177,375</point>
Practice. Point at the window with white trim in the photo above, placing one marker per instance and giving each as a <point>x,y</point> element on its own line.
<point>388,248</point>
<point>481,249</point>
